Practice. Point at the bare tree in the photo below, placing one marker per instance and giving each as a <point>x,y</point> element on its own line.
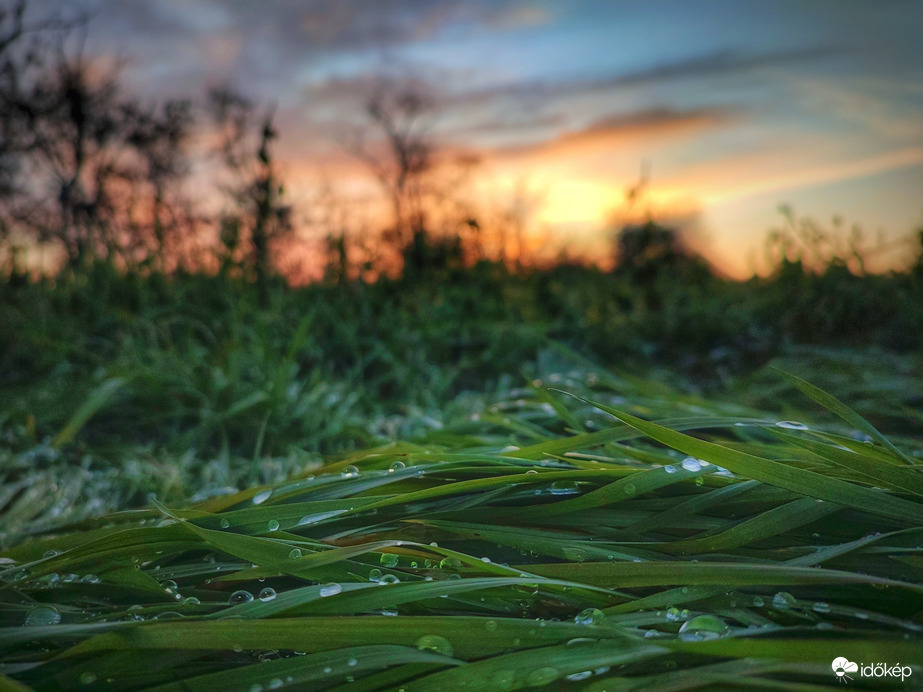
<point>159,137</point>
<point>262,221</point>
<point>403,157</point>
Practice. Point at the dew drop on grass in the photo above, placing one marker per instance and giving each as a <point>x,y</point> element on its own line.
<point>702,627</point>
<point>262,496</point>
<point>630,489</point>
<point>331,589</point>
<point>191,601</point>
<point>504,679</point>
<point>783,600</point>
<point>42,615</point>
<point>224,523</point>
<point>389,559</point>
<point>240,596</point>
<point>256,687</point>
<point>449,563</point>
<point>821,607</point>
<point>374,574</point>
<point>267,594</point>
<point>396,466</point>
<point>434,643</point>
<point>490,625</point>
<point>692,464</point>
<point>273,525</point>
<point>590,616</point>
<point>669,468</point>
<point>576,677</point>
<point>542,676</point>
<point>564,488</point>
<point>389,579</point>
<point>673,614</point>
<point>350,472</point>
<point>758,601</point>
<point>87,678</point>
<point>275,683</point>
<point>575,554</point>
<point>791,425</point>
<point>50,553</point>
<point>294,554</point>
<point>352,662</point>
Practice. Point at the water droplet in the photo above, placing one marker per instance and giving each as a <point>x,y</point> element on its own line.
<point>275,683</point>
<point>504,679</point>
<point>389,560</point>
<point>450,563</point>
<point>791,425</point>
<point>191,601</point>
<point>267,594</point>
<point>758,601</point>
<point>262,496</point>
<point>331,589</point>
<point>87,678</point>
<point>590,616</point>
<point>50,553</point>
<point>374,574</point>
<point>821,607</point>
<point>575,554</point>
<point>669,468</point>
<point>352,662</point>
<point>576,677</point>
<point>783,600</point>
<point>224,523</point>
<point>490,625</point>
<point>702,627</point>
<point>630,489</point>
<point>350,472</point>
<point>434,643</point>
<point>90,579</point>
<point>542,676</point>
<point>564,488</point>
<point>240,597</point>
<point>256,687</point>
<point>692,464</point>
<point>389,579</point>
<point>273,525</point>
<point>295,554</point>
<point>673,614</point>
<point>396,466</point>
<point>42,615</point>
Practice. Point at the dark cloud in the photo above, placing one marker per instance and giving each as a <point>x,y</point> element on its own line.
<point>704,66</point>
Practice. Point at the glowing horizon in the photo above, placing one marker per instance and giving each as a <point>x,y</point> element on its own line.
<point>736,110</point>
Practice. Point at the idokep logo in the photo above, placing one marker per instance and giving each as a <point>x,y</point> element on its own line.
<point>843,666</point>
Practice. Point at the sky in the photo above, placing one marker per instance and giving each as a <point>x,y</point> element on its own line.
<point>734,106</point>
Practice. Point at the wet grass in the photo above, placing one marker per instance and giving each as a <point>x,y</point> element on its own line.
<point>627,537</point>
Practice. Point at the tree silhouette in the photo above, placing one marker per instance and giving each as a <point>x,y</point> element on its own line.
<point>261,221</point>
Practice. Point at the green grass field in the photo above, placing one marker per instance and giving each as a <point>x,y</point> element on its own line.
<point>452,495</point>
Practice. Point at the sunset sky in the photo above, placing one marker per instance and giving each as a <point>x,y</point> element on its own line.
<point>736,105</point>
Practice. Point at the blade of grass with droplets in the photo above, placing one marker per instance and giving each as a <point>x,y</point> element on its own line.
<point>776,473</point>
<point>834,405</point>
<point>894,477</point>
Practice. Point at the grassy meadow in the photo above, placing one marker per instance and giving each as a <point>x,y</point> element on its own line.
<point>473,480</point>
